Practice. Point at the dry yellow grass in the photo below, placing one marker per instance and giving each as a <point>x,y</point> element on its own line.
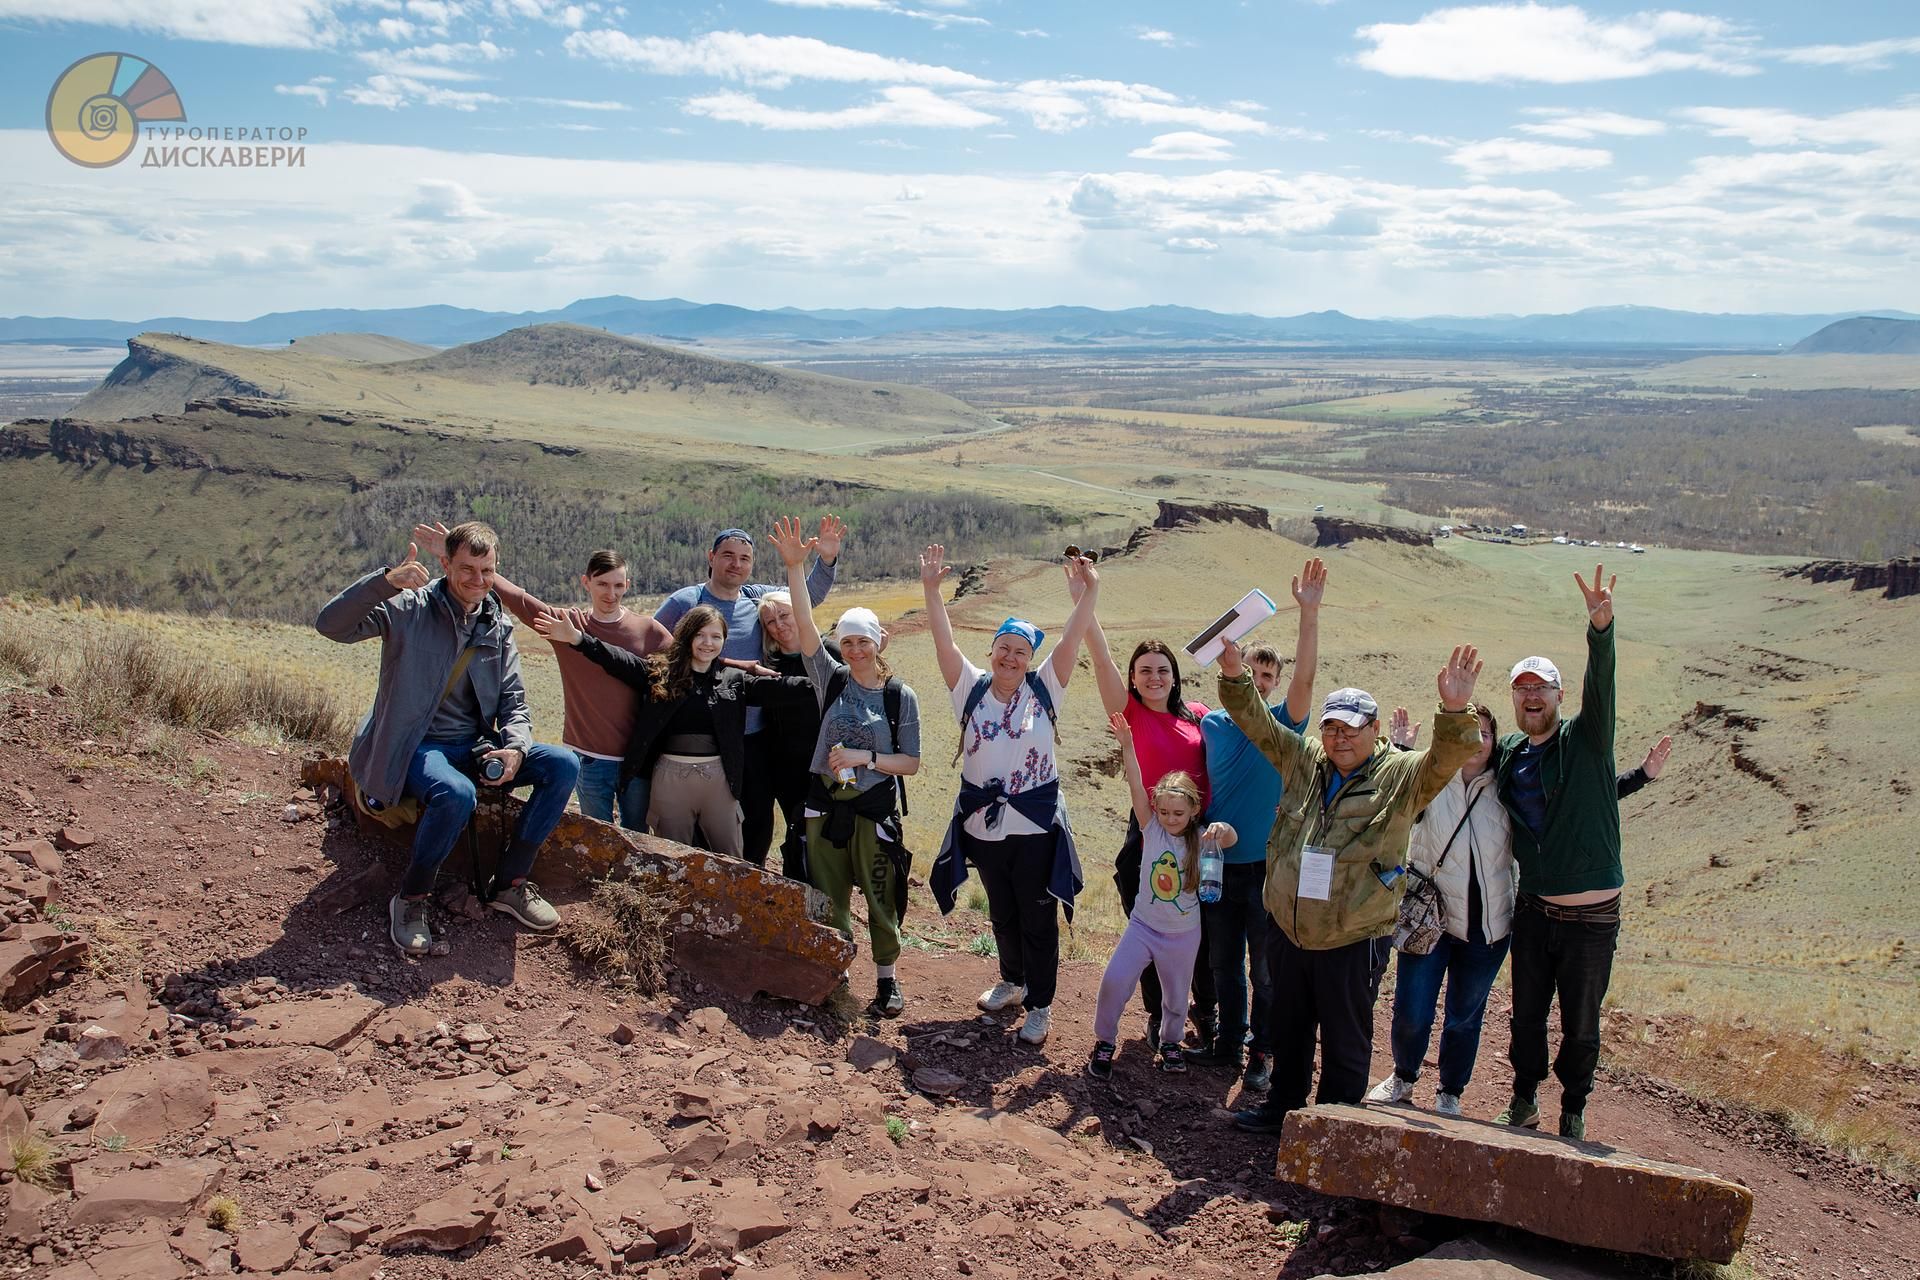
<point>1156,417</point>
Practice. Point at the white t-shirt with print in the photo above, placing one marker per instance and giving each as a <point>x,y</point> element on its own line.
<point>1010,741</point>
<point>1164,903</point>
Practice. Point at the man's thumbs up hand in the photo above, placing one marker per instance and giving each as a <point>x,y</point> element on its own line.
<point>409,573</point>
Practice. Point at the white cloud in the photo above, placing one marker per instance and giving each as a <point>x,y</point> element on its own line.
<point>1153,35</point>
<point>1424,139</point>
<point>314,89</point>
<point>579,104</point>
<point>1184,146</point>
<point>1559,122</point>
<point>1778,127</point>
<point>285,24</point>
<point>902,105</point>
<point>1552,44</point>
<point>885,6</point>
<point>440,200</point>
<point>1057,106</point>
<point>394,91</point>
<point>1870,55</point>
<point>769,61</point>
<point>434,61</point>
<point>395,29</point>
<point>1515,155</point>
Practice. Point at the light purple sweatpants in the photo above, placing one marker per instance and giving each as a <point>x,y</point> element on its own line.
<point>1171,955</point>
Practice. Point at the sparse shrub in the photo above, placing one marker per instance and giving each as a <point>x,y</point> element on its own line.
<point>114,951</point>
<point>20,654</point>
<point>983,945</point>
<point>36,1160</point>
<point>976,897</point>
<point>896,1129</point>
<point>223,1214</point>
<point>623,933</point>
<point>124,675</point>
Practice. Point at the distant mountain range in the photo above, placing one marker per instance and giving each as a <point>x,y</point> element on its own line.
<point>678,320</point>
<point>1863,336</point>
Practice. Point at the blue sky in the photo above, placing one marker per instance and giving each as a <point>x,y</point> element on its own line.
<point>1277,157</point>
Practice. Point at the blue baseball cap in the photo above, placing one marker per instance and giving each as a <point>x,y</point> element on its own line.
<point>1353,707</point>
<point>1024,629</point>
<point>724,534</point>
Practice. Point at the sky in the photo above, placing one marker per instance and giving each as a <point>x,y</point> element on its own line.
<point>1273,156</point>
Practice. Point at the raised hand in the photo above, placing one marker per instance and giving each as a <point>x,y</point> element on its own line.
<point>1458,677</point>
<point>1657,756</point>
<point>557,627</point>
<point>933,565</point>
<point>1599,599</point>
<point>1310,586</point>
<point>409,574</point>
<point>433,536</point>
<point>1122,730</point>
<point>1401,729</point>
<point>792,544</point>
<point>833,534</point>
<point>1232,662</point>
<point>1080,575</point>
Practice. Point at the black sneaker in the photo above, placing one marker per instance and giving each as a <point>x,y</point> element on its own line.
<point>1100,1065</point>
<point>1153,1028</point>
<point>1221,1051</point>
<point>1205,1032</point>
<point>1261,1119</point>
<point>1173,1059</point>
<point>1259,1072</point>
<point>888,1000</point>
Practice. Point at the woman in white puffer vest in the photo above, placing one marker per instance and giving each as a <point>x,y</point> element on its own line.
<point>1464,843</point>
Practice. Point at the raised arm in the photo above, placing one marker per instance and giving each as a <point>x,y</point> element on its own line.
<point>520,602</point>
<point>933,567</point>
<point>793,547</point>
<point>1595,719</point>
<point>1456,729</point>
<point>1649,769</point>
<point>1240,700</point>
<point>1309,588</point>
<point>1130,765</point>
<point>1083,585</point>
<point>567,626</point>
<point>1106,672</point>
<point>826,564</point>
<point>359,613</point>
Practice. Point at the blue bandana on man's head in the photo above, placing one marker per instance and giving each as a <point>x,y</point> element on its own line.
<point>1025,630</point>
<point>724,534</point>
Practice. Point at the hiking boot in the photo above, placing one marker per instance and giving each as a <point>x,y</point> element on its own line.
<point>1521,1113</point>
<point>523,902</point>
<point>888,999</point>
<point>1259,1072</point>
<point>1265,1118</point>
<point>1221,1051</point>
<point>1173,1059</point>
<point>1100,1065</point>
<point>407,925</point>
<point>1447,1104</point>
<point>1205,1032</point>
<point>1391,1090</point>
<point>1003,995</point>
<point>1153,1028</point>
<point>1573,1124</point>
<point>1038,1022</point>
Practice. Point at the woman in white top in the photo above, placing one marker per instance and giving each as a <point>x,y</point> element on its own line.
<point>1464,843</point>
<point>1009,820</point>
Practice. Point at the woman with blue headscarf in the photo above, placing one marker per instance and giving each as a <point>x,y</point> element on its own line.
<point>1010,821</point>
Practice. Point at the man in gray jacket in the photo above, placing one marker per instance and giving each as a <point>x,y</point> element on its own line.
<point>450,710</point>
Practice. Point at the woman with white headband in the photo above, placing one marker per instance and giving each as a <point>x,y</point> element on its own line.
<point>869,739</point>
<point>1009,820</point>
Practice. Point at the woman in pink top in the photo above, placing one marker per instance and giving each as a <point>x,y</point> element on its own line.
<point>1166,739</point>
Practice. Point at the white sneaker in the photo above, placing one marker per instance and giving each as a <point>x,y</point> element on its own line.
<point>1392,1089</point>
<point>1001,996</point>
<point>1447,1104</point>
<point>1034,1029</point>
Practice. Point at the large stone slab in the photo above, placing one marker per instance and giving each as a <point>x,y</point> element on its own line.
<point>1479,1258</point>
<point>1581,1192</point>
<point>743,929</point>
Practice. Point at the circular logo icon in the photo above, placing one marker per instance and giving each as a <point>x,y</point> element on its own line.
<point>97,105</point>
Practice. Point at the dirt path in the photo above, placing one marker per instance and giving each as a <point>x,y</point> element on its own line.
<point>747,1119</point>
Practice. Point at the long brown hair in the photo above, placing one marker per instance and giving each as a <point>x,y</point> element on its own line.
<point>1176,698</point>
<point>673,668</point>
<point>1181,783</point>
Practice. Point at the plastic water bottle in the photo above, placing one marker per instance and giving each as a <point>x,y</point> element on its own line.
<point>845,773</point>
<point>1210,869</point>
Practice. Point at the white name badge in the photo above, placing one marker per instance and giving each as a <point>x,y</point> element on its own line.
<point>1316,872</point>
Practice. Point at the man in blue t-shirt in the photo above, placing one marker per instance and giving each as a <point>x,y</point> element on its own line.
<point>1245,791</point>
<point>728,589</point>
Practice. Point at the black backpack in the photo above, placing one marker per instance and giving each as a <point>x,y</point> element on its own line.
<point>979,692</point>
<point>890,697</point>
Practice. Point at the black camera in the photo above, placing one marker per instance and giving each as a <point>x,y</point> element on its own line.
<point>493,768</point>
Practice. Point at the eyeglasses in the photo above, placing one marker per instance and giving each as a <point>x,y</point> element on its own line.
<point>1340,729</point>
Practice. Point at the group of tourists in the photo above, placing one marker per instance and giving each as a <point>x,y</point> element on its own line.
<point>1262,868</point>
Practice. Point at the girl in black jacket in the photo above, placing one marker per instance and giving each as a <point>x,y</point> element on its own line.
<point>690,734</point>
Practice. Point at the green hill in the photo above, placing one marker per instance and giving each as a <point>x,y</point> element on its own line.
<point>1862,336</point>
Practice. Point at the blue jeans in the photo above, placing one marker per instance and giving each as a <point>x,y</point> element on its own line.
<point>599,788</point>
<point>1237,931</point>
<point>1469,969</point>
<point>447,796</point>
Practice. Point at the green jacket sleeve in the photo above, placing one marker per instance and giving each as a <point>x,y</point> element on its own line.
<point>1456,736</point>
<point>1595,721</point>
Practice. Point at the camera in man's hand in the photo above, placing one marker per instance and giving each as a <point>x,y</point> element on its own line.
<point>493,768</point>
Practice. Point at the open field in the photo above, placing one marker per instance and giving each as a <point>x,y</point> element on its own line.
<point>1392,406</point>
<point>1157,418</point>
<point>1790,373</point>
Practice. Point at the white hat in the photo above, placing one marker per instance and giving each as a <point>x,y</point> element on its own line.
<point>1352,707</point>
<point>859,622</point>
<point>1535,666</point>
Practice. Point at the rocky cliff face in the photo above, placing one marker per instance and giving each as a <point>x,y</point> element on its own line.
<point>1896,579</point>
<point>1174,514</point>
<point>1334,532</point>
<point>152,381</point>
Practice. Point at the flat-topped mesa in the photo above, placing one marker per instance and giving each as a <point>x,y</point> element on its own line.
<point>1583,1193</point>
<point>745,930</point>
<point>1333,532</point>
<point>1174,514</point>
<point>1895,579</point>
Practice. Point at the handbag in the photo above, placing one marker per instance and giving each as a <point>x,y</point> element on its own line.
<point>1423,916</point>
